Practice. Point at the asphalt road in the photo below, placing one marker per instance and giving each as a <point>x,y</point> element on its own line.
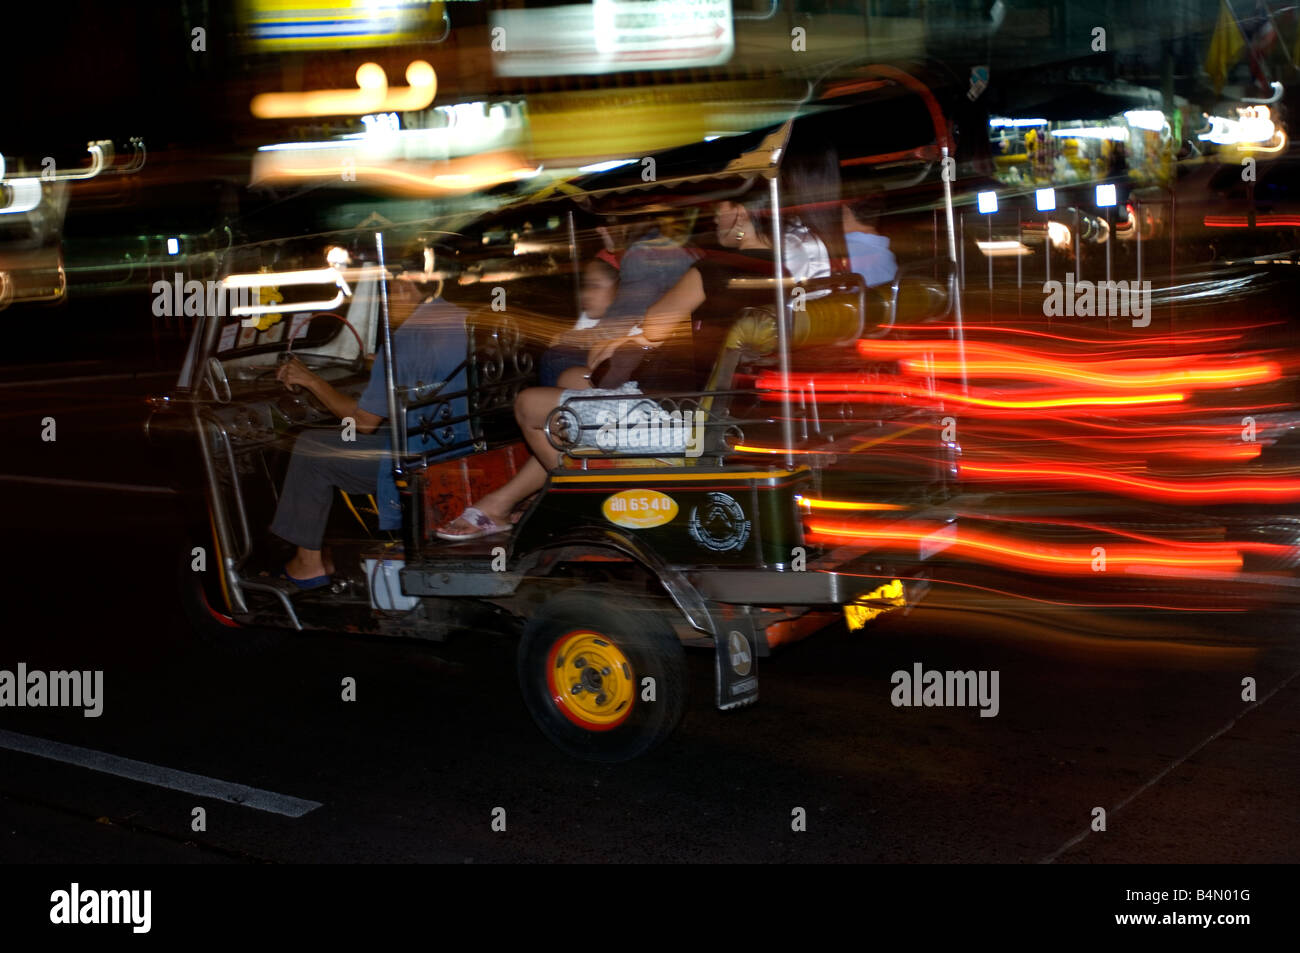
<point>1139,713</point>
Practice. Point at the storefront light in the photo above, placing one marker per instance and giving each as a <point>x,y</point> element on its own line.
<point>1254,124</point>
<point>1015,123</point>
<point>1058,235</point>
<point>1152,120</point>
<point>1114,133</point>
<point>1106,196</point>
<point>605,166</point>
<point>988,202</point>
<point>1045,200</point>
<point>1007,248</point>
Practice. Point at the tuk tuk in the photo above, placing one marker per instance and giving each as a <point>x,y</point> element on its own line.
<point>626,556</point>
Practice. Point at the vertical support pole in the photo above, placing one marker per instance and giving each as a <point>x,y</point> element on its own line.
<point>396,424</point>
<point>1047,247</point>
<point>782,320</point>
<point>1173,249</point>
<point>959,282</point>
<point>573,259</point>
<point>1110,241</point>
<point>990,263</point>
<point>1078,246</point>
<point>1137,227</point>
<point>961,252</point>
<point>1020,264</point>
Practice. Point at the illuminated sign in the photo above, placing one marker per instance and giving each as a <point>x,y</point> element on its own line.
<point>606,36</point>
<point>372,95</point>
<point>279,26</point>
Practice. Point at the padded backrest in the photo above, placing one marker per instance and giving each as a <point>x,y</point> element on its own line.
<point>833,312</point>
<point>921,298</point>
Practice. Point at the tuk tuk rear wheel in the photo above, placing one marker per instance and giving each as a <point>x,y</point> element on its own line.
<point>604,682</point>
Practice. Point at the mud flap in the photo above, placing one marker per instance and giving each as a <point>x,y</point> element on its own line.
<point>735,658</point>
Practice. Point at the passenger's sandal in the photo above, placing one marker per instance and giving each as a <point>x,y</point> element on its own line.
<point>483,525</point>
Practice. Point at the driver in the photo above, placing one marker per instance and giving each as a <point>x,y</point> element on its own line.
<point>429,345</point>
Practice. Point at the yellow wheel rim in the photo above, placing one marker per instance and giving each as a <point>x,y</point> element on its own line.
<point>590,680</point>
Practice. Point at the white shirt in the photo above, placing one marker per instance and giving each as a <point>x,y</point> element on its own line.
<point>805,255</point>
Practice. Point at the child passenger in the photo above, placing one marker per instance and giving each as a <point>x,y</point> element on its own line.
<point>597,293</point>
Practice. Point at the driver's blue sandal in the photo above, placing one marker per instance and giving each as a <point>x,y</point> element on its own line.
<point>315,582</point>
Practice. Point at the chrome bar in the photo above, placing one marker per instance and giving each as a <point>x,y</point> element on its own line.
<point>783,322</point>
<point>220,522</point>
<point>396,425</point>
<point>279,594</point>
<point>960,283</point>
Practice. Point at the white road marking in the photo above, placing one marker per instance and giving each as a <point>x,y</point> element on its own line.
<point>1051,858</point>
<point>87,484</point>
<point>158,776</point>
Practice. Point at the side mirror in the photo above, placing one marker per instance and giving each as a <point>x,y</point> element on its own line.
<point>217,380</point>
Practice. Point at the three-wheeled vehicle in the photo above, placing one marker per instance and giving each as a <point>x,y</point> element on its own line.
<point>625,556</point>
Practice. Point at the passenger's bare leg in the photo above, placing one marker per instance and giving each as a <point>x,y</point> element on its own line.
<point>575,378</point>
<point>532,407</point>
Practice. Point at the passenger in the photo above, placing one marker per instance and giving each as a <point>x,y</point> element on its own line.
<point>810,189</point>
<point>869,252</point>
<point>689,320</point>
<point>648,269</point>
<point>429,345</point>
<point>569,348</point>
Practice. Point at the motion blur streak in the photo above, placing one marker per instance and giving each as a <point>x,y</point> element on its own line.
<point>1270,549</point>
<point>963,605</point>
<point>1013,553</point>
<point>1053,370</point>
<point>1257,489</point>
<point>1190,443</point>
<point>1148,342</point>
<point>855,390</point>
<point>847,505</point>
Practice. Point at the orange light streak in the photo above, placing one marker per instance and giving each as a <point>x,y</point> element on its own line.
<point>1009,552</point>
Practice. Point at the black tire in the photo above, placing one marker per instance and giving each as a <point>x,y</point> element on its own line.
<point>199,597</point>
<point>650,647</point>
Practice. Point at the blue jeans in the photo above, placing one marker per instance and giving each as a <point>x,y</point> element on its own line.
<point>556,360</point>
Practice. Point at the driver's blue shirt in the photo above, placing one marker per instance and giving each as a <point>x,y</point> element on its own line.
<point>430,346</point>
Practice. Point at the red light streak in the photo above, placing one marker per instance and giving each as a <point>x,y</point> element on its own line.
<point>1257,489</point>
<point>1053,371</point>
<point>1240,221</point>
<point>1013,553</point>
<point>850,388</point>
<point>1219,546</point>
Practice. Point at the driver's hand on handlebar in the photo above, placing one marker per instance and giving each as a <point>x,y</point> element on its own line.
<point>294,372</point>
